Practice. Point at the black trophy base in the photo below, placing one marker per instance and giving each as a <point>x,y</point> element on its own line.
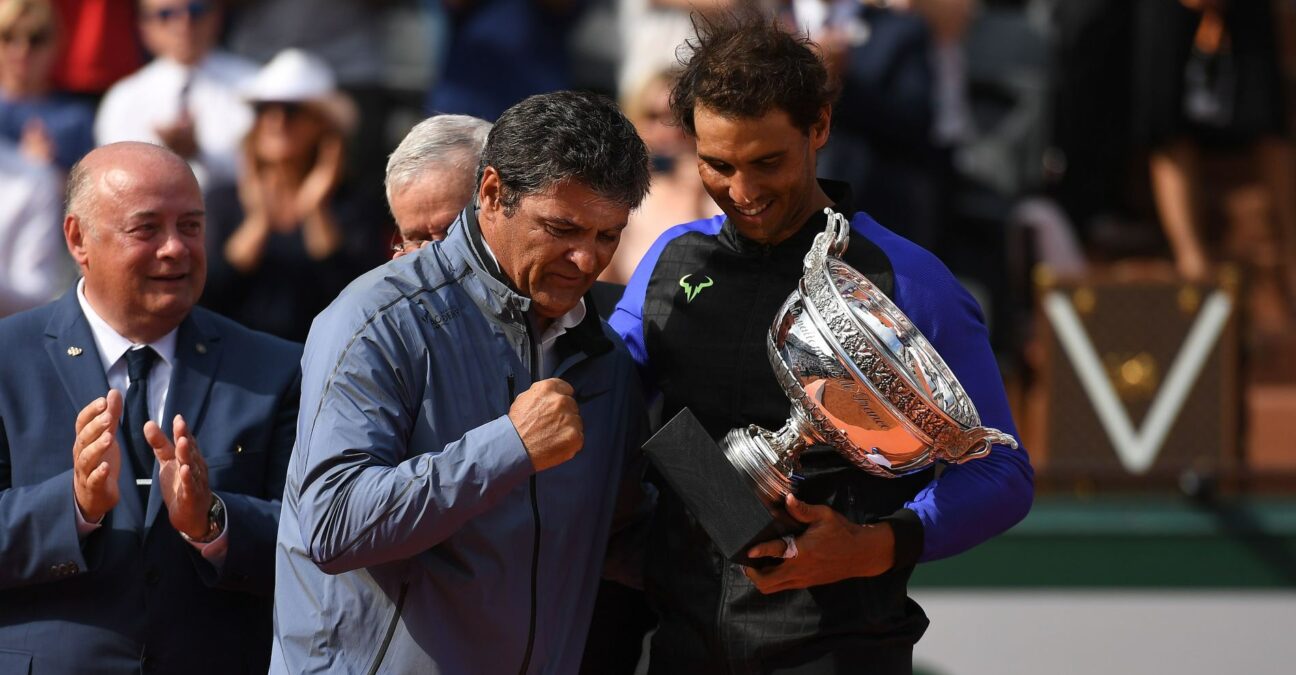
<point>723,499</point>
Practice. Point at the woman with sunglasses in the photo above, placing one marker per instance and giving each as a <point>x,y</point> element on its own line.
<point>294,233</point>
<point>49,128</point>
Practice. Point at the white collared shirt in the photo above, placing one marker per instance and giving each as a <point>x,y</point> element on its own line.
<point>557,329</point>
<point>137,105</point>
<point>112,349</point>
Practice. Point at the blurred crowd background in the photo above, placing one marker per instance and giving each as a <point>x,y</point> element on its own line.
<point>1130,156</point>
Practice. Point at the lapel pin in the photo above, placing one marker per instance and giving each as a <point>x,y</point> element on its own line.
<point>74,351</point>
<point>238,449</point>
<point>200,348</point>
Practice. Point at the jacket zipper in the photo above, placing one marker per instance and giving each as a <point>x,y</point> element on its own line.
<point>391,629</point>
<point>535,519</point>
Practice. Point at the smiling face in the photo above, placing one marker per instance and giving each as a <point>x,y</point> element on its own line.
<point>138,238</point>
<point>555,243</point>
<point>761,170</point>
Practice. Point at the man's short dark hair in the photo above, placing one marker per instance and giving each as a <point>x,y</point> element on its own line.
<point>566,136</point>
<point>744,64</point>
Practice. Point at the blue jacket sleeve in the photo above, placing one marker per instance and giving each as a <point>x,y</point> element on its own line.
<point>38,538</point>
<point>971,502</point>
<point>363,496</point>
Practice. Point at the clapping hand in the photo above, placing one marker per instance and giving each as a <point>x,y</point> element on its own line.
<point>96,457</point>
<point>182,473</point>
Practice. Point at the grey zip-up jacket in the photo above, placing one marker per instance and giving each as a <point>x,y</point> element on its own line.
<point>415,536</point>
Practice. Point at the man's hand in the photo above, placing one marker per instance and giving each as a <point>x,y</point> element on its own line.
<point>183,476</point>
<point>318,185</point>
<point>831,549</point>
<point>179,136</point>
<point>96,457</point>
<point>548,420</point>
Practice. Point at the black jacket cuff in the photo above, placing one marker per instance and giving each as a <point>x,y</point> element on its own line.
<point>908,529</point>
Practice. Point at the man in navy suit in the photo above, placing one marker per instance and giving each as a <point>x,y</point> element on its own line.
<point>143,445</point>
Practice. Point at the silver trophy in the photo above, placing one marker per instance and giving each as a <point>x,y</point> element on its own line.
<point>861,378</point>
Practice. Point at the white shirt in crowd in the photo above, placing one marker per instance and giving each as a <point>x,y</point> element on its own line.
<point>151,98</point>
<point>34,263</point>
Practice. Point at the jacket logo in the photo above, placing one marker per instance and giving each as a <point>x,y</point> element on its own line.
<point>691,290</point>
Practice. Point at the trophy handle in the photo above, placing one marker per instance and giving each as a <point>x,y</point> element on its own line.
<point>976,443</point>
<point>831,242</point>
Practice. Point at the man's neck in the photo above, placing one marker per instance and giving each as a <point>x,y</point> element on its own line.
<point>138,333</point>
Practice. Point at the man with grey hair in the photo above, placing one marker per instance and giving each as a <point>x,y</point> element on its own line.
<point>470,420</point>
<point>430,177</point>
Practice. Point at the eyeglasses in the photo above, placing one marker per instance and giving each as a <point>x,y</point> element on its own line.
<point>290,109</point>
<point>33,40</point>
<point>196,10</point>
<point>402,245</point>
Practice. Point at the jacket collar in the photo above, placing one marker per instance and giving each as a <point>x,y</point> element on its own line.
<point>464,243</point>
<point>800,241</point>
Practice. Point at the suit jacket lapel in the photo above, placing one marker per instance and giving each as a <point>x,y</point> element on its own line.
<point>197,357</point>
<point>71,348</point>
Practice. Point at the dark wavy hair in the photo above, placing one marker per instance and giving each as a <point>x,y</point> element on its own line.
<point>745,64</point>
<point>566,135</point>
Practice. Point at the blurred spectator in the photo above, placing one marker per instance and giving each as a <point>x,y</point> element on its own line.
<point>882,140</point>
<point>188,98</point>
<point>1090,157</point>
<point>99,45</point>
<point>49,128</point>
<point>1207,79</point>
<point>502,51</point>
<point>652,31</point>
<point>348,35</point>
<point>677,194</point>
<point>34,264</point>
<point>432,176</point>
<point>295,233</point>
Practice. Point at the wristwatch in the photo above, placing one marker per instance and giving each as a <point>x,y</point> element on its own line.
<point>215,523</point>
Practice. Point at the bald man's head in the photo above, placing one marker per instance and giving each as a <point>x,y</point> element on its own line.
<point>135,225</point>
<point>79,196</point>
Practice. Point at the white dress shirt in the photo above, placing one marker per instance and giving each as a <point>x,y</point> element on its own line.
<point>112,348</point>
<point>150,98</point>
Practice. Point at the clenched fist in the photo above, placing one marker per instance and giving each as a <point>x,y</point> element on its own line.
<point>548,420</point>
<point>96,457</point>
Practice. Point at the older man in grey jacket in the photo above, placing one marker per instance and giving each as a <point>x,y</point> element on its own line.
<point>467,421</point>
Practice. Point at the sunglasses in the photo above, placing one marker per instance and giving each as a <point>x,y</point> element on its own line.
<point>33,40</point>
<point>194,10</point>
<point>290,109</point>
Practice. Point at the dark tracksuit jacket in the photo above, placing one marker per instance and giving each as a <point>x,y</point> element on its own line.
<point>695,316</point>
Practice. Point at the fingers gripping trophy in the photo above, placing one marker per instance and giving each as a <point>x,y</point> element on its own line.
<point>860,377</point>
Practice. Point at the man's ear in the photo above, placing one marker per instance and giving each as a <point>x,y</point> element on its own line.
<point>488,192</point>
<point>819,130</point>
<point>74,232</point>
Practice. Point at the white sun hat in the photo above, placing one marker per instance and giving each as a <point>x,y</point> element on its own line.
<point>297,76</point>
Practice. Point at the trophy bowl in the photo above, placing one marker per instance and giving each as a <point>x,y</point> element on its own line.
<point>860,378</point>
